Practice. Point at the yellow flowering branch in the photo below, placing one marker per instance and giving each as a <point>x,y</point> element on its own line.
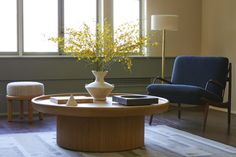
<point>104,47</point>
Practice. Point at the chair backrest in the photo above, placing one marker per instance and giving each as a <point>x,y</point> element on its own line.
<point>196,71</point>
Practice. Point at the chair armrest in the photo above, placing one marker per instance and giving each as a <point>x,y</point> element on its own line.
<point>161,79</point>
<point>217,83</point>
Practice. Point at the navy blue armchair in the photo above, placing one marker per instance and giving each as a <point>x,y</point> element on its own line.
<point>198,81</point>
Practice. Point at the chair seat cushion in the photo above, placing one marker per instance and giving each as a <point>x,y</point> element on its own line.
<point>178,93</point>
<point>24,88</point>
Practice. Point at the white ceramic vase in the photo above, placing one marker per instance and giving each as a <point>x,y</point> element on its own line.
<point>99,89</point>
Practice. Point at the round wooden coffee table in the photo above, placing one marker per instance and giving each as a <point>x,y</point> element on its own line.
<point>99,126</point>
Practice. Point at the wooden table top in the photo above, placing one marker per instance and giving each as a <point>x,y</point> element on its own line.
<point>106,108</point>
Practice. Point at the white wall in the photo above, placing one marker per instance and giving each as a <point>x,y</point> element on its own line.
<point>219,33</point>
<point>185,41</point>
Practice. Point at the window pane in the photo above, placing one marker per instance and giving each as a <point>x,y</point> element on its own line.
<point>78,12</point>
<point>125,11</point>
<point>40,23</point>
<point>8,28</point>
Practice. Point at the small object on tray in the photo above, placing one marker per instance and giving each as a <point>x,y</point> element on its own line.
<point>64,99</point>
<point>135,99</point>
<point>71,101</point>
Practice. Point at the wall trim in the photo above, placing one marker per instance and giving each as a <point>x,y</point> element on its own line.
<point>221,109</point>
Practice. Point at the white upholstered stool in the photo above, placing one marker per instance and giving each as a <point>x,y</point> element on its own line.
<point>23,91</point>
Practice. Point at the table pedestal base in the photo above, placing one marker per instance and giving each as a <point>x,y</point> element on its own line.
<point>100,134</point>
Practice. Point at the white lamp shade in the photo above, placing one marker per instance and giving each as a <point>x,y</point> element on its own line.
<point>164,22</point>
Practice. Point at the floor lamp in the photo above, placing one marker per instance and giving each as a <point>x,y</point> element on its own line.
<point>163,23</point>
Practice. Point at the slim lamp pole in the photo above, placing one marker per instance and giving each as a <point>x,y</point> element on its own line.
<point>164,23</point>
<point>163,54</point>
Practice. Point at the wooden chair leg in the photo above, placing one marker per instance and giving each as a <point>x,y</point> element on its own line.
<point>9,110</point>
<point>229,118</point>
<point>30,111</point>
<point>21,109</point>
<point>179,110</point>
<point>40,116</point>
<point>206,109</point>
<point>150,121</point>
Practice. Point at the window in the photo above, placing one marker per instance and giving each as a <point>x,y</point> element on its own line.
<point>78,12</point>
<point>125,11</point>
<point>40,23</point>
<point>8,26</point>
<point>26,25</point>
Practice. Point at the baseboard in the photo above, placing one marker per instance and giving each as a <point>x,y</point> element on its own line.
<point>3,114</point>
<point>221,109</point>
<point>17,113</point>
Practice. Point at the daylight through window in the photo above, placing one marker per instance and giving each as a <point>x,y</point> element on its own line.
<point>26,25</point>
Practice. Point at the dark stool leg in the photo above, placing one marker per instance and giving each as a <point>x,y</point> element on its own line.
<point>40,116</point>
<point>9,110</point>
<point>150,121</point>
<point>21,109</point>
<point>30,111</point>
<point>179,110</point>
<point>229,118</point>
<point>206,109</point>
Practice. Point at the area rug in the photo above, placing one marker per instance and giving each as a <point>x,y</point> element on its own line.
<point>160,141</point>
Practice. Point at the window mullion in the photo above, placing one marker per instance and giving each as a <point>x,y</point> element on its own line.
<point>108,11</point>
<point>20,28</point>
<point>143,22</point>
<point>140,17</point>
<point>99,14</point>
<point>61,24</point>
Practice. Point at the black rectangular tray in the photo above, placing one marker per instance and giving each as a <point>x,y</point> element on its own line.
<point>135,99</point>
